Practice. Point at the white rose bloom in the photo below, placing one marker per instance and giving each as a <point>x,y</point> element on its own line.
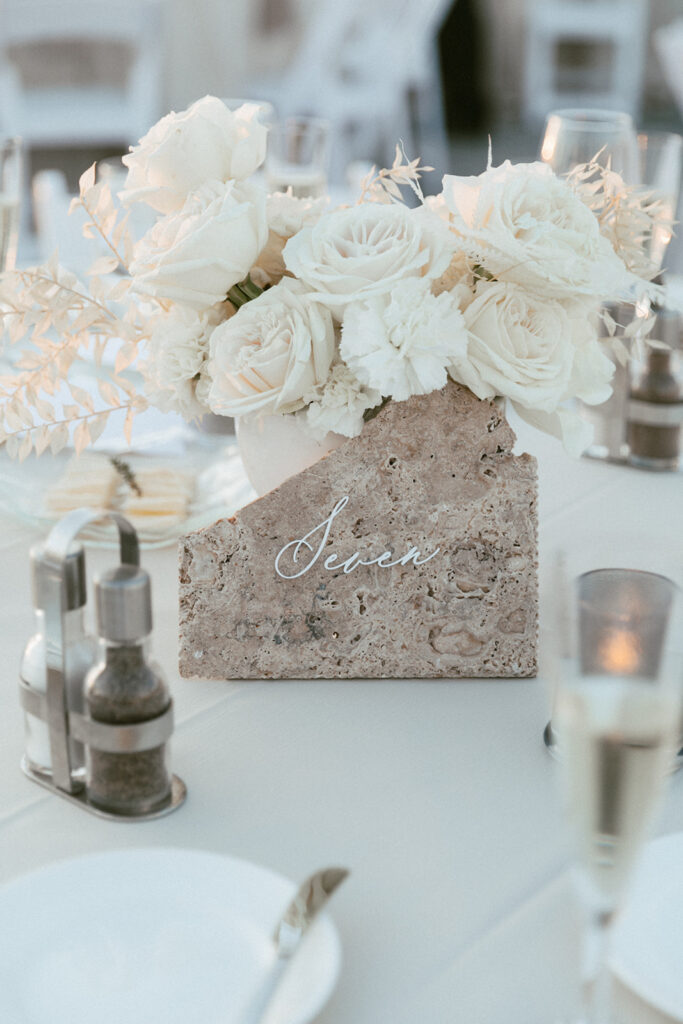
<point>564,424</point>
<point>401,344</point>
<point>286,214</point>
<point>182,151</point>
<point>363,251</point>
<point>196,255</point>
<point>524,224</point>
<point>339,404</point>
<point>458,278</point>
<point>271,353</point>
<point>175,358</point>
<point>535,352</point>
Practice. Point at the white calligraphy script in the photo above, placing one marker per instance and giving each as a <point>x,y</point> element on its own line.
<point>304,547</point>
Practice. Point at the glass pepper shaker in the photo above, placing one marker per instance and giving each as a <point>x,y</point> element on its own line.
<point>655,404</point>
<point>80,653</point>
<point>126,688</point>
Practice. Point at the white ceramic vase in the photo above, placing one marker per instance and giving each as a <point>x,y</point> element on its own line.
<point>274,448</point>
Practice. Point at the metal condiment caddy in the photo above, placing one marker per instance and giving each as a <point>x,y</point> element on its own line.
<point>67,725</point>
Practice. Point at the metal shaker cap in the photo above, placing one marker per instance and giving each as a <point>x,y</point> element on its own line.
<point>74,577</point>
<point>123,604</point>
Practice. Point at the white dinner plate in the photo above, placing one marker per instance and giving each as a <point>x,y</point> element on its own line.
<point>151,935</point>
<point>648,941</point>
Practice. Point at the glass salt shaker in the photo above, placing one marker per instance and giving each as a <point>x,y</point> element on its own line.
<point>126,688</point>
<point>80,653</point>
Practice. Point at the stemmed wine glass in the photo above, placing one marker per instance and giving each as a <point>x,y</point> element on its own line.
<point>577,136</point>
<point>617,677</point>
<point>658,175</point>
<point>649,162</point>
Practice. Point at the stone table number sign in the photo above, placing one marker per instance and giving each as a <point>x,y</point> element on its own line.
<point>409,552</point>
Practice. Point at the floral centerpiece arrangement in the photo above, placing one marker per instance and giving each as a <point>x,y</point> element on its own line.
<point>237,302</point>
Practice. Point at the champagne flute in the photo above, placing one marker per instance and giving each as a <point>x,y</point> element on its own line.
<point>616,715</point>
<point>10,192</point>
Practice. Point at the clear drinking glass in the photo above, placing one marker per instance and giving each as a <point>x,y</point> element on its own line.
<point>10,194</point>
<point>576,136</point>
<point>297,156</point>
<point>658,174</point>
<point>617,675</point>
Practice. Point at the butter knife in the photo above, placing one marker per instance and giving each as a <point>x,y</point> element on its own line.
<point>288,936</point>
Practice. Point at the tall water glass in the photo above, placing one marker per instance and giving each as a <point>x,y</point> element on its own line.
<point>297,156</point>
<point>10,194</point>
<point>617,713</point>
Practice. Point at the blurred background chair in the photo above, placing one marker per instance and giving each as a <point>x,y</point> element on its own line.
<point>109,94</point>
<point>668,42</point>
<point>584,53</point>
<point>76,75</point>
<point>379,71</point>
<point>366,68</point>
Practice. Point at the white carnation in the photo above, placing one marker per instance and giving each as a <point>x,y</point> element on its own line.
<point>401,344</point>
<point>175,359</point>
<point>182,151</point>
<point>339,404</point>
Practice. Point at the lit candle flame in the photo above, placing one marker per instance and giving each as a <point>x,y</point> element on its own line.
<point>619,653</point>
<point>550,140</point>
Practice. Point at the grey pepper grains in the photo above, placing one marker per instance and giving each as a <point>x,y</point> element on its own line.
<point>127,689</point>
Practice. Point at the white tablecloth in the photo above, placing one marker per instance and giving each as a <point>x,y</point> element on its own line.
<point>438,795</point>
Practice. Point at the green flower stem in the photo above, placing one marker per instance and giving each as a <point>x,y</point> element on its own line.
<point>244,292</point>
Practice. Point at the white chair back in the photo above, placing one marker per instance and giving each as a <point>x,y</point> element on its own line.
<point>90,112</point>
<point>611,83</point>
<point>668,42</point>
<point>356,63</point>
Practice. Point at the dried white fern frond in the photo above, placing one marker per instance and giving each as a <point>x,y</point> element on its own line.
<point>637,221</point>
<point>105,219</point>
<point>57,321</point>
<point>385,186</point>
<point>633,337</point>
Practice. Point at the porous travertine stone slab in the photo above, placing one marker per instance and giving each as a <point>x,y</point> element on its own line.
<point>434,473</point>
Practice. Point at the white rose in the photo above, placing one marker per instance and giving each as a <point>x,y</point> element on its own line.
<point>203,143</point>
<point>271,353</point>
<point>196,255</point>
<point>339,404</point>
<point>401,344</point>
<point>286,214</point>
<point>524,224</point>
<point>535,352</point>
<point>362,252</point>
